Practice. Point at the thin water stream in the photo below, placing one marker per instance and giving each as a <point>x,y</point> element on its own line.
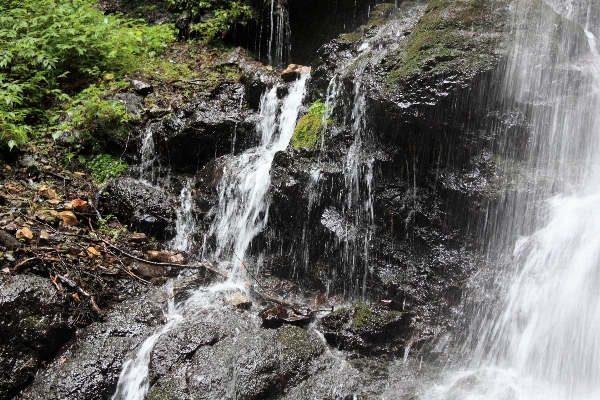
<point>242,212</point>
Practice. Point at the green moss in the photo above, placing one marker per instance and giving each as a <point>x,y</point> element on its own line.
<point>309,129</point>
<point>381,13</point>
<point>308,132</point>
<point>165,390</point>
<point>351,37</point>
<point>297,342</point>
<point>366,318</point>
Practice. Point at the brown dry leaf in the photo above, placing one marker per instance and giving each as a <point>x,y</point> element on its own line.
<point>64,360</point>
<point>68,218</point>
<point>80,205</point>
<point>79,174</point>
<point>53,201</point>
<point>43,188</point>
<point>24,233</point>
<point>92,252</point>
<point>75,297</point>
<point>12,188</point>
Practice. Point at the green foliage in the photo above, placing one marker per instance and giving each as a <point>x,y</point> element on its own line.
<point>89,115</point>
<point>309,129</point>
<point>213,18</point>
<point>105,167</point>
<point>44,44</point>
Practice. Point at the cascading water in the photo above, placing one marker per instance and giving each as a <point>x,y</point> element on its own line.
<point>542,340</point>
<point>186,221</point>
<point>241,213</point>
<point>243,205</point>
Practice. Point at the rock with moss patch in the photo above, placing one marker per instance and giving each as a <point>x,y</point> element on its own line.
<point>370,330</point>
<point>238,300</point>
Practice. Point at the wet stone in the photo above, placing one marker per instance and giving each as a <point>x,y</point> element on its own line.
<point>142,87</point>
<point>238,300</point>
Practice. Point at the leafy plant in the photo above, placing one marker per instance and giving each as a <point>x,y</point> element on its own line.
<point>211,19</point>
<point>104,167</point>
<point>91,115</point>
<point>45,45</point>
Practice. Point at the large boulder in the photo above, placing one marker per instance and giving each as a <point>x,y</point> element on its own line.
<point>369,330</point>
<point>210,126</point>
<point>145,207</point>
<point>89,368</point>
<point>35,321</point>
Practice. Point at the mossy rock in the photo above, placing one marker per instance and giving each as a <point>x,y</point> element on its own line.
<point>308,132</point>
<point>368,329</point>
<point>452,36</point>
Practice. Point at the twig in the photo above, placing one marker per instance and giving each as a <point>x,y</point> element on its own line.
<point>66,178</point>
<point>162,264</point>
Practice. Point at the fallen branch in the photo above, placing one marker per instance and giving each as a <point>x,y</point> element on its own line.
<point>162,264</point>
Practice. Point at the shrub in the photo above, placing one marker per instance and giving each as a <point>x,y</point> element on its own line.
<point>211,19</point>
<point>47,43</point>
<point>104,167</point>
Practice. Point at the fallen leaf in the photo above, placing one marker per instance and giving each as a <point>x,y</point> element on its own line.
<point>75,297</point>
<point>64,360</point>
<point>92,252</point>
<point>68,218</point>
<point>79,174</point>
<point>24,233</point>
<point>43,188</point>
<point>12,188</point>
<point>53,201</point>
<point>80,205</point>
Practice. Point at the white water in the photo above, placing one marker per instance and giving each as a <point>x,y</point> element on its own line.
<point>542,340</point>
<point>186,223</point>
<point>243,207</point>
<point>241,213</point>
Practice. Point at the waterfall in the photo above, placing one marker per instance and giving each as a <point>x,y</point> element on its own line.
<point>541,339</point>
<point>241,213</point>
<point>186,222</point>
<point>243,207</point>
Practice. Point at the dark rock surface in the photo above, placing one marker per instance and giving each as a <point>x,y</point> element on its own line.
<point>34,322</point>
<point>146,208</point>
<point>369,330</point>
<point>89,368</point>
<point>211,126</point>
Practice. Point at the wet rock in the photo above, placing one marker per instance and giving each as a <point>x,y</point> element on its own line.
<point>25,234</point>
<point>29,163</point>
<point>51,217</point>
<point>260,363</point>
<point>134,105</point>
<point>44,238</point>
<point>369,330</point>
<point>138,238</point>
<point>208,127</point>
<point>293,72</point>
<point>183,288</point>
<point>68,218</point>
<point>142,87</point>
<point>276,316</point>
<point>238,300</point>
<point>9,241</point>
<point>35,322</point>
<point>145,207</point>
<point>147,271</point>
<point>89,368</point>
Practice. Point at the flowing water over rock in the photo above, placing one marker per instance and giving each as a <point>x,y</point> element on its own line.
<point>241,213</point>
<point>540,340</point>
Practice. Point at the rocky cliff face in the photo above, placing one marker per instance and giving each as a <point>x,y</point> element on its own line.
<point>385,207</point>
